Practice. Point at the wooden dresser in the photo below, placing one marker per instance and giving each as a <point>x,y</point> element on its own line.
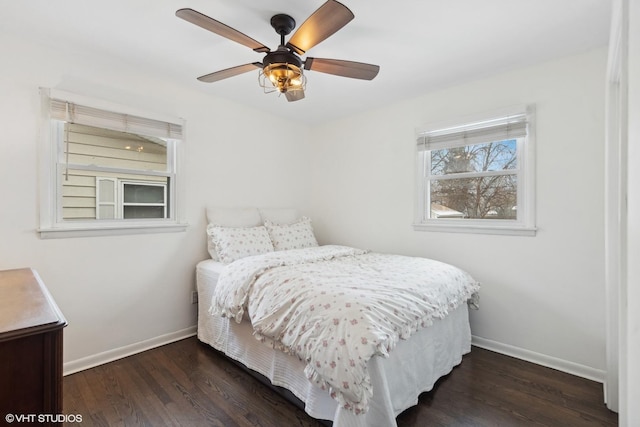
<point>30,346</point>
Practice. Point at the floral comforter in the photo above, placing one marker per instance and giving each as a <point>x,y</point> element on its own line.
<point>335,307</point>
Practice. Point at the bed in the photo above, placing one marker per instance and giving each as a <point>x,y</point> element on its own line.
<point>394,376</point>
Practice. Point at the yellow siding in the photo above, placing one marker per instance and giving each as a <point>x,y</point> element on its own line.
<point>79,213</point>
<point>73,191</point>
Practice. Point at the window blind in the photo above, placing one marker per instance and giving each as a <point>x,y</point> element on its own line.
<point>499,129</point>
<point>81,114</point>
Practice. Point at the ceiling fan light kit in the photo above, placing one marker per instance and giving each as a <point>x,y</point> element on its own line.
<point>282,77</point>
<point>282,70</point>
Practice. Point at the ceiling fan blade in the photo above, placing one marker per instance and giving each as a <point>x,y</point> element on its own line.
<point>338,67</point>
<point>229,72</point>
<point>219,28</point>
<point>324,22</point>
<point>294,95</point>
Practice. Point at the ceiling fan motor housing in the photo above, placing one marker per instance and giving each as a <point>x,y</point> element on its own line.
<point>282,56</point>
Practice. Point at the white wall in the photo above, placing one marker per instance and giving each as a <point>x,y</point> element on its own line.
<point>543,296</point>
<point>631,350</point>
<point>122,290</point>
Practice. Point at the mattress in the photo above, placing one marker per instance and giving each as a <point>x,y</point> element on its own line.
<point>413,366</point>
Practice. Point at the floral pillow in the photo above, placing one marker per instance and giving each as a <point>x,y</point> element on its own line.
<point>230,217</point>
<point>233,243</point>
<point>291,236</point>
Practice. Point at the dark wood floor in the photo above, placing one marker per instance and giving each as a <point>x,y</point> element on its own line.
<point>189,384</point>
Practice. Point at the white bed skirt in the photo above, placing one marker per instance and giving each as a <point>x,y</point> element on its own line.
<point>413,366</point>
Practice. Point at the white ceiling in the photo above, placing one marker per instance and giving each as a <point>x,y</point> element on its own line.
<point>420,45</point>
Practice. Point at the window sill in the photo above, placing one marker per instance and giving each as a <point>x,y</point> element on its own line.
<point>109,230</point>
<point>477,229</point>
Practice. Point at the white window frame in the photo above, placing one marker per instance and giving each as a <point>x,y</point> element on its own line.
<point>99,203</point>
<point>52,225</point>
<point>524,225</point>
<point>122,204</point>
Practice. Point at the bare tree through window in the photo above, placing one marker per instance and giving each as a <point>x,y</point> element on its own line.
<point>479,181</point>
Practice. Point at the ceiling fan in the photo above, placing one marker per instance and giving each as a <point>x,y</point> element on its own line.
<point>281,69</point>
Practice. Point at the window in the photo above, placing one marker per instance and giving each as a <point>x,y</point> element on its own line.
<point>117,199</point>
<point>477,176</point>
<point>143,200</point>
<point>106,170</point>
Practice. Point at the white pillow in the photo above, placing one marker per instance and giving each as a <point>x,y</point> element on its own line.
<point>233,243</point>
<point>291,236</point>
<point>230,217</point>
<point>280,215</point>
<point>234,217</point>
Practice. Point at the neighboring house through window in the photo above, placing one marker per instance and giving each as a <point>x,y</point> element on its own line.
<point>476,175</point>
<point>108,170</point>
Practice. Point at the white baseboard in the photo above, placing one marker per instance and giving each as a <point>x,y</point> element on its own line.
<point>509,350</point>
<point>128,350</point>
<point>572,368</point>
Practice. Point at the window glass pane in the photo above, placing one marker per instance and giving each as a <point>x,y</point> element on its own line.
<point>144,212</point>
<point>89,145</point>
<point>491,197</point>
<point>140,193</point>
<point>492,156</point>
